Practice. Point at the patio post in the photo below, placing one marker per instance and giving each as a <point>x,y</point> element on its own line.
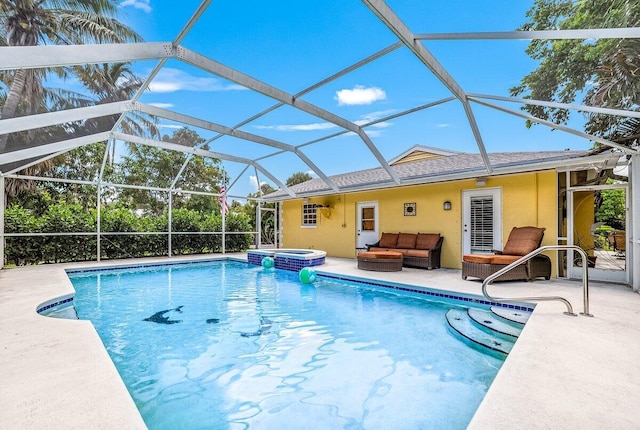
<point>223,230</point>
<point>258,224</point>
<point>634,179</point>
<point>169,221</point>
<point>98,226</point>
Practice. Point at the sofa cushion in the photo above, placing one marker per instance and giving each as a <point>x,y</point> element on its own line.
<point>390,255</point>
<point>423,253</point>
<point>388,240</point>
<point>523,240</point>
<point>406,241</point>
<point>427,240</point>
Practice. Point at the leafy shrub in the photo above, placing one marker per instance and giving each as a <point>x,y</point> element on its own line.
<point>63,217</point>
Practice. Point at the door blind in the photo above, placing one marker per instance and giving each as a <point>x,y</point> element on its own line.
<point>481,224</point>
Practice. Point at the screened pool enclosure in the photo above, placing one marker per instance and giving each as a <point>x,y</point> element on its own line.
<point>253,94</point>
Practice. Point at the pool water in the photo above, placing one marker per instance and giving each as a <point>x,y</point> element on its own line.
<point>226,345</point>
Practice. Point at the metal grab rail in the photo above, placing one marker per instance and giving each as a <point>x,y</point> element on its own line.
<point>585,279</point>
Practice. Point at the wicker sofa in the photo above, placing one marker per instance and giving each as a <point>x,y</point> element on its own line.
<point>522,240</point>
<point>418,249</point>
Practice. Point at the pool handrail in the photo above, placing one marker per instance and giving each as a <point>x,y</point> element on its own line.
<point>585,279</point>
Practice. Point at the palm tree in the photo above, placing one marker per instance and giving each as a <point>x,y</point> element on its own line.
<point>110,83</point>
<point>58,22</point>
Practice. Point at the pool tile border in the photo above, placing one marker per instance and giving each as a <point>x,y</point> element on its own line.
<point>428,292</point>
<point>527,307</point>
<point>53,304</point>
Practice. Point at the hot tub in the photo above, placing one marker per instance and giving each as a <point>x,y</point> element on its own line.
<point>288,259</point>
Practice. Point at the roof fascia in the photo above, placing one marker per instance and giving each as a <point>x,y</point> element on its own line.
<point>559,165</point>
<point>423,148</point>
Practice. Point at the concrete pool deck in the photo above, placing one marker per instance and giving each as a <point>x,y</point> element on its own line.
<point>563,372</point>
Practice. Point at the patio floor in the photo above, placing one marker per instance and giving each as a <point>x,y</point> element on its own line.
<point>563,372</point>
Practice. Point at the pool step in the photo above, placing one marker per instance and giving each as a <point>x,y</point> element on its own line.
<point>490,322</point>
<point>511,315</point>
<point>460,321</point>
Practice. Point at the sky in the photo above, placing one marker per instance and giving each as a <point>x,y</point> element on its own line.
<point>295,44</point>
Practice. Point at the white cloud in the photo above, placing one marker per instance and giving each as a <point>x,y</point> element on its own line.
<point>374,133</point>
<point>442,125</point>
<point>360,95</point>
<point>298,127</point>
<point>364,119</point>
<point>170,80</point>
<point>137,4</point>
<point>253,181</point>
<point>162,105</point>
<point>373,116</point>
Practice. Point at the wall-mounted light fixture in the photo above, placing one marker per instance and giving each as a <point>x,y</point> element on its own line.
<point>481,182</point>
<point>305,200</point>
<point>447,205</point>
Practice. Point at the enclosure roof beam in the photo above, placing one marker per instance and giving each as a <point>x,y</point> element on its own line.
<point>246,81</point>
<point>590,33</point>
<point>207,125</point>
<point>399,28</point>
<point>201,152</point>
<point>582,108</point>
<point>558,127</point>
<point>49,148</point>
<point>322,83</point>
<point>30,57</point>
<point>29,122</point>
<point>180,148</point>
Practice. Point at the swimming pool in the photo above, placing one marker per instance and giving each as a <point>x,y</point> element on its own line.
<point>229,345</point>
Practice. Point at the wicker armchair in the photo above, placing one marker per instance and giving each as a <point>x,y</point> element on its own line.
<point>521,241</point>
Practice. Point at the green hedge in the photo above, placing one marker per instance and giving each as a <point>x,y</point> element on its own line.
<point>73,218</point>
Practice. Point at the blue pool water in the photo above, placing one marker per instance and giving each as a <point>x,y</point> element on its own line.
<point>225,345</point>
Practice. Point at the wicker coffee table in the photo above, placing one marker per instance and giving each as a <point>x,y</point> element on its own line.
<point>380,261</point>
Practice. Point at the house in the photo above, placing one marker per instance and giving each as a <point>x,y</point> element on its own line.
<point>451,193</point>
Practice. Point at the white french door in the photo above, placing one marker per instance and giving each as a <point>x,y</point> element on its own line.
<point>481,220</point>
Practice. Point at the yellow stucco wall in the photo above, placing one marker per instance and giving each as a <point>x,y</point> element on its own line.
<point>527,199</point>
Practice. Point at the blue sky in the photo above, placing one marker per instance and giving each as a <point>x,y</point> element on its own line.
<point>294,44</point>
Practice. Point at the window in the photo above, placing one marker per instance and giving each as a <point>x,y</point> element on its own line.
<point>309,217</point>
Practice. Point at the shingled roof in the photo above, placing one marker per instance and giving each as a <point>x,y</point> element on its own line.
<point>438,169</point>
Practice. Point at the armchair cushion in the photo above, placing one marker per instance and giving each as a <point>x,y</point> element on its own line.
<point>523,240</point>
<point>478,258</point>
